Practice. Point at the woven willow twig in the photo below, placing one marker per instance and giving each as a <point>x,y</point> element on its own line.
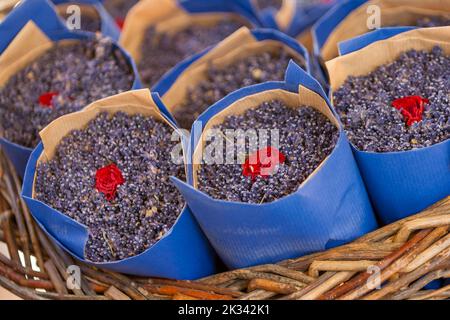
<point>408,254</point>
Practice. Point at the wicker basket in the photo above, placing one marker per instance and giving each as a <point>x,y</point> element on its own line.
<point>404,257</point>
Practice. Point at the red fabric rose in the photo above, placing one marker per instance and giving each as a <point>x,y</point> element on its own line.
<point>411,107</point>
<point>107,179</point>
<point>46,99</point>
<point>120,22</point>
<point>263,163</point>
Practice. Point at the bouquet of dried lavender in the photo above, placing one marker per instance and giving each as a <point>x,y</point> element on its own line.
<point>48,71</point>
<point>272,175</point>
<point>161,33</point>
<point>99,183</point>
<point>350,18</point>
<point>245,58</point>
<point>392,98</point>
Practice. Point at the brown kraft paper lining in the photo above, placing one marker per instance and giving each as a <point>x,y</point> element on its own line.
<point>6,6</point>
<point>167,17</point>
<point>131,102</point>
<point>393,13</point>
<point>86,10</point>
<point>237,46</point>
<point>306,39</point>
<point>366,60</point>
<point>29,44</point>
<point>286,14</point>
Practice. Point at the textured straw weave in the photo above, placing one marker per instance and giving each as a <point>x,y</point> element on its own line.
<point>404,257</point>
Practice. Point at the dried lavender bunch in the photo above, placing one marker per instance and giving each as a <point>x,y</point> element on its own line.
<point>429,22</point>
<point>306,136</point>
<point>145,207</point>
<point>220,82</point>
<point>264,4</point>
<point>80,73</point>
<point>88,22</point>
<point>365,103</point>
<point>119,8</point>
<point>161,51</point>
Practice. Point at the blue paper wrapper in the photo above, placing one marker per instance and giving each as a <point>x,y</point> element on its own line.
<point>42,13</point>
<point>182,253</point>
<point>293,18</point>
<point>241,7</point>
<point>401,184</point>
<point>364,40</point>
<point>109,27</point>
<point>330,209</point>
<point>328,22</point>
<point>168,80</point>
<point>171,16</point>
<point>306,16</point>
<point>351,18</point>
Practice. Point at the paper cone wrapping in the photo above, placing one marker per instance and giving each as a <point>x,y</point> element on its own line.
<point>182,253</point>
<point>274,18</point>
<point>364,40</point>
<point>348,19</point>
<point>27,33</point>
<point>299,25</point>
<point>399,183</point>
<point>93,8</point>
<point>286,14</point>
<point>330,208</point>
<point>292,18</point>
<point>304,18</point>
<point>174,86</point>
<point>5,7</point>
<point>171,16</point>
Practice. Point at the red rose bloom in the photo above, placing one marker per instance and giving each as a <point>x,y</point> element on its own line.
<point>107,179</point>
<point>411,107</point>
<point>263,163</point>
<point>120,22</point>
<point>46,99</point>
